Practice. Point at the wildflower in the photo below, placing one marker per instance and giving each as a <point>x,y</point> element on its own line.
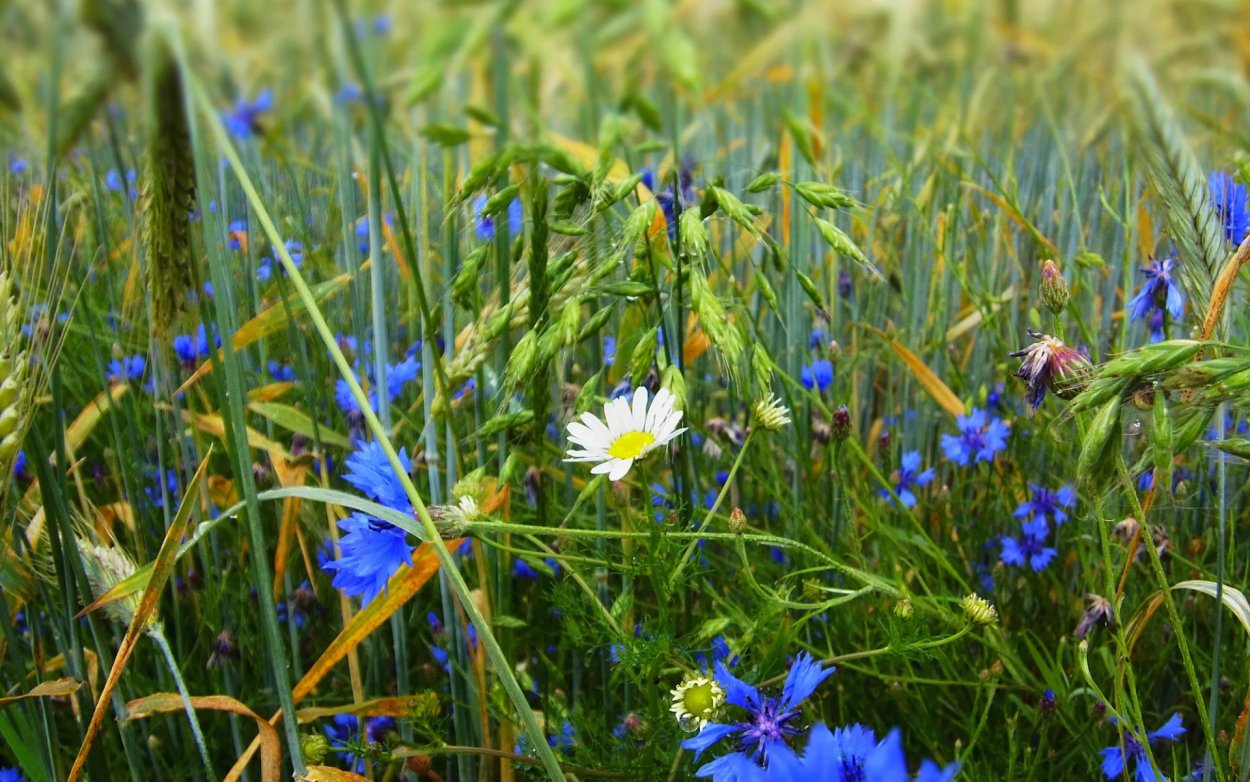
<point>1230,200</point>
<point>1116,758</point>
<point>609,351</point>
<point>853,754</point>
<point>315,747</point>
<point>372,550</point>
<point>236,235</point>
<point>1030,547</point>
<point>980,438</point>
<point>906,477</point>
<point>1054,288</point>
<point>113,181</point>
<point>244,119</point>
<point>770,413</point>
<point>844,284</point>
<point>11,774</point>
<point>1048,706</point>
<point>696,701</point>
<point>126,368</point>
<point>369,556</point>
<point>225,650</point>
<point>978,610</point>
<point>840,426</point>
<point>1050,365</point>
<point>1045,503</point>
<point>281,373</point>
<point>768,723</point>
<point>818,375</point>
<point>1160,291</point>
<point>1098,610</point>
<point>342,734</point>
<point>630,432</point>
<point>486,223</point>
<point>369,469</point>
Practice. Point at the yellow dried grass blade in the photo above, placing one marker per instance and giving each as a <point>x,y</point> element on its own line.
<point>162,702</point>
<point>399,706</point>
<point>295,420</point>
<point>1223,285</point>
<point>162,567</point>
<point>288,475</point>
<point>211,423</point>
<point>330,774</point>
<point>57,687</point>
<point>928,379</point>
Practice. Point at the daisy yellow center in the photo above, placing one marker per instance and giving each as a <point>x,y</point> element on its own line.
<point>700,700</point>
<point>631,445</point>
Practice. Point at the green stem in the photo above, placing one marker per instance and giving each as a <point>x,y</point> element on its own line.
<point>448,565</point>
<point>724,490</point>
<point>158,635</point>
<point>1187,660</point>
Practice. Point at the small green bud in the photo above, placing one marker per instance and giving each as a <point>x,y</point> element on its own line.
<point>737,521</point>
<point>1054,288</point>
<point>904,610</point>
<point>978,610</point>
<point>315,748</point>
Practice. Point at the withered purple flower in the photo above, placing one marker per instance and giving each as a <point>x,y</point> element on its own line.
<point>1050,365</point>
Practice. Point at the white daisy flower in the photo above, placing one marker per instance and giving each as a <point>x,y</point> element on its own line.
<point>626,433</point>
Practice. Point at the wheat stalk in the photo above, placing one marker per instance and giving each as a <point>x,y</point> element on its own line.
<point>1175,175</point>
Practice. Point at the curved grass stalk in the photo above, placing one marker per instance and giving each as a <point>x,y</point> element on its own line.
<point>447,564</point>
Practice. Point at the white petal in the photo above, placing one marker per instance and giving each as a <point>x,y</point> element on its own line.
<point>617,415</point>
<point>639,412</point>
<point>593,423</point>
<point>582,434</point>
<point>666,427</point>
<point>602,467</point>
<point>619,468</point>
<point>659,409</point>
<point>668,437</point>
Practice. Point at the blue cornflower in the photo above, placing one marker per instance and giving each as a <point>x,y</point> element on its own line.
<point>719,653</point>
<point>371,472</point>
<point>906,477</point>
<point>281,372</point>
<point>127,368</point>
<point>400,375</point>
<point>113,181</point>
<point>980,437</point>
<point>817,339</point>
<point>609,351</point>
<point>370,555</point>
<point>341,731</point>
<point>1114,759</point>
<point>382,24</point>
<point>191,348</point>
<point>767,724</point>
<point>853,754</point>
<point>19,466</point>
<point>1160,291</point>
<point>1030,547</point>
<point>236,236</point>
<point>244,119</point>
<point>1230,200</point>
<point>1047,504</point>
<point>486,224</point>
<point>18,166</point>
<point>11,774</point>
<point>819,374</point>
<point>372,549</point>
<point>523,569</point>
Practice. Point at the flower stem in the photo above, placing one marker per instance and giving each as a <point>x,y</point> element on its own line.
<point>707,519</point>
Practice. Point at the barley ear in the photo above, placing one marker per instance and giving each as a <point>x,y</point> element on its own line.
<point>1175,175</point>
<point>168,196</point>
